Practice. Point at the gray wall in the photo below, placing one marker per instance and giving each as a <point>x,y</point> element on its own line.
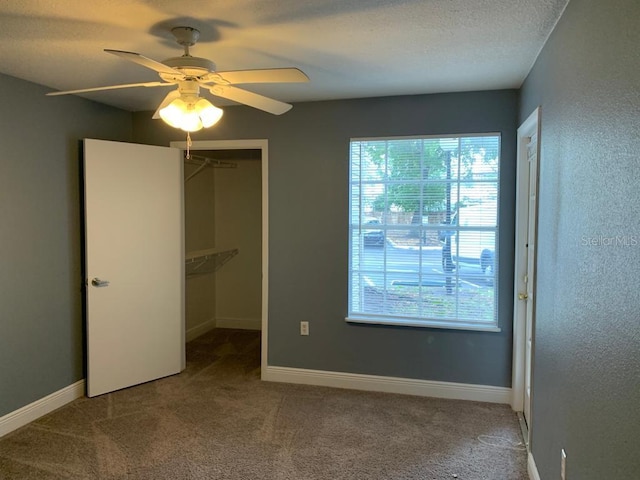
<point>587,337</point>
<point>41,342</point>
<point>308,200</point>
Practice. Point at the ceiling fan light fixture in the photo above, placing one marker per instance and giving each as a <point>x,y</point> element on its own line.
<point>172,113</point>
<point>192,115</point>
<point>209,114</point>
<point>190,122</point>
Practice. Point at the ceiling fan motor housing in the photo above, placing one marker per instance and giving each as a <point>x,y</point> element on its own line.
<point>189,66</point>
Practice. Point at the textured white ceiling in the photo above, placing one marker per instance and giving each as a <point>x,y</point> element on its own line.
<point>349,48</point>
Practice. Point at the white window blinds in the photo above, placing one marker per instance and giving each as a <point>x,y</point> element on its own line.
<point>423,221</point>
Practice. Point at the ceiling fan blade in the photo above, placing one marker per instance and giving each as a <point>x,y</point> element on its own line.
<point>144,61</point>
<point>110,87</point>
<point>269,75</point>
<point>249,98</point>
<point>171,96</point>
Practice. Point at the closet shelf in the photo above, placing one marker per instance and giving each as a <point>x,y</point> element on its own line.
<point>207,261</point>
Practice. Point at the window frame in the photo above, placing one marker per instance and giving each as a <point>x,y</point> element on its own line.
<point>423,322</point>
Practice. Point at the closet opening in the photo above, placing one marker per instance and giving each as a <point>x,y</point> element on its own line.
<point>226,235</point>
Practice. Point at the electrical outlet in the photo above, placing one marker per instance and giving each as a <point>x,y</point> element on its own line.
<point>563,465</point>
<point>304,328</point>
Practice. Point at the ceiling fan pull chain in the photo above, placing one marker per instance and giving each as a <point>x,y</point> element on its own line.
<point>189,143</point>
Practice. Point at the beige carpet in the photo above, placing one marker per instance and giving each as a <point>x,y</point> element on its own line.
<point>217,420</point>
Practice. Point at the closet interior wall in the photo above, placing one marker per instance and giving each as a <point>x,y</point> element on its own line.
<point>199,231</point>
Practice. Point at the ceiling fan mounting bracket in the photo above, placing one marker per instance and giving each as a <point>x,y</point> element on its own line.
<point>186,36</point>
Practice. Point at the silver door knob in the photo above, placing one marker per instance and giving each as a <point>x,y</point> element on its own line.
<point>96,282</point>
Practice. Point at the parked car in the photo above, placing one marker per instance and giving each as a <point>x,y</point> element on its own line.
<point>372,236</point>
<point>473,246</point>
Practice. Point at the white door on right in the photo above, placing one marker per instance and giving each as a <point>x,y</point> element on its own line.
<point>524,269</point>
<point>532,156</point>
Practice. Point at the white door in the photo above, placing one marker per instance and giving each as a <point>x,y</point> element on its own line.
<point>529,279</point>
<point>525,255</point>
<point>134,264</point>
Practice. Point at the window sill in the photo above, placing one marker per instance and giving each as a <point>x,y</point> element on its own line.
<point>409,322</point>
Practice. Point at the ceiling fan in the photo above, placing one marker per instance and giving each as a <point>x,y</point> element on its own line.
<point>192,73</point>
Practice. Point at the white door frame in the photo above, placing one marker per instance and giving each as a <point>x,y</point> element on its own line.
<point>263,146</point>
<point>529,128</point>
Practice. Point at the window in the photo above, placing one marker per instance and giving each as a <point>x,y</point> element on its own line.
<point>423,239</point>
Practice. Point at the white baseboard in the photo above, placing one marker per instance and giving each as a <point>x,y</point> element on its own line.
<point>241,323</point>
<point>532,469</point>
<point>407,386</point>
<point>195,332</point>
<point>19,418</point>
<point>222,322</point>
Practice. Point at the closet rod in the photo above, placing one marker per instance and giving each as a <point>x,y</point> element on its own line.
<point>206,162</point>
<point>211,260</point>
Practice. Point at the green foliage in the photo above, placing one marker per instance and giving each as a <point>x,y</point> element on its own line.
<point>470,146</point>
<point>415,171</point>
<point>405,164</point>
